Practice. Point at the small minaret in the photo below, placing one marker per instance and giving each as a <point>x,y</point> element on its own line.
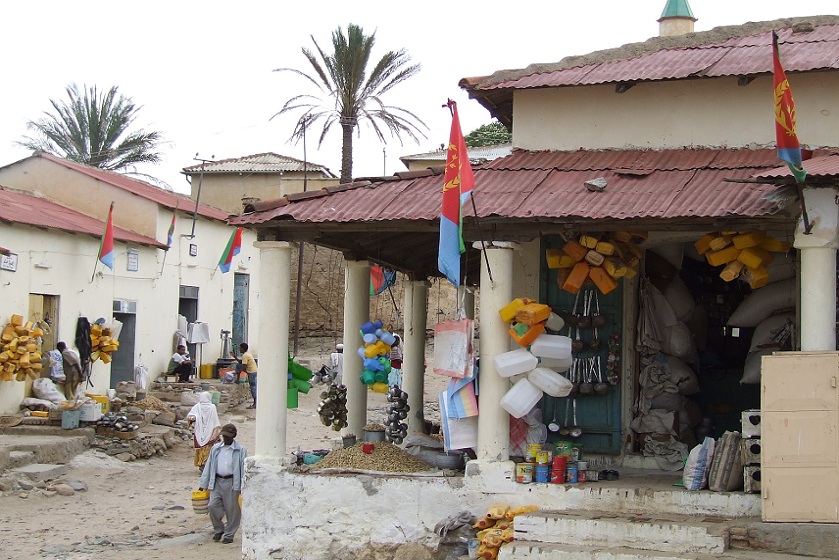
<point>676,19</point>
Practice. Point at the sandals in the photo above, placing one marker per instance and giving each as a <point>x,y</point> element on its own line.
<point>609,475</point>
<point>251,407</point>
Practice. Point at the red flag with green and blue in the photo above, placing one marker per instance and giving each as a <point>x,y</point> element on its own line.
<point>232,249</point>
<point>786,134</point>
<point>106,246</point>
<point>458,181</point>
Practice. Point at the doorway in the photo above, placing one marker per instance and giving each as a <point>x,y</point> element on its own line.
<point>241,290</point>
<point>188,307</point>
<point>122,363</point>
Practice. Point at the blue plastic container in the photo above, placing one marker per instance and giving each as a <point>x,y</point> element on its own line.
<point>70,419</point>
<point>543,473</point>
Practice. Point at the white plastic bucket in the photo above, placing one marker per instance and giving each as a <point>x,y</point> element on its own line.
<point>550,382</point>
<point>521,398</point>
<point>554,346</point>
<point>515,362</point>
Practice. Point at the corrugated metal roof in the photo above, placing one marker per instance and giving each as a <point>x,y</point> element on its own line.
<point>142,189</point>
<point>819,167</point>
<point>268,162</point>
<point>726,51</point>
<point>673,184</point>
<point>18,207</point>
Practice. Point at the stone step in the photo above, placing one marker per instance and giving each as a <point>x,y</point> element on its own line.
<point>41,471</point>
<point>21,458</point>
<point>663,533</point>
<point>524,550</point>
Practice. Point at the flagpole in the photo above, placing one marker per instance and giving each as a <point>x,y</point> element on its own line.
<point>475,210</point>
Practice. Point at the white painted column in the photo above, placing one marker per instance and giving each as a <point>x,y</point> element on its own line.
<point>272,378</point>
<point>415,310</point>
<point>818,270</point>
<point>494,421</point>
<point>356,313</point>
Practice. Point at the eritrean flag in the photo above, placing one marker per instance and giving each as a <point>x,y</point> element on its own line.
<point>381,279</point>
<point>106,247</point>
<point>786,135</point>
<point>232,249</point>
<point>458,181</point>
<point>170,236</point>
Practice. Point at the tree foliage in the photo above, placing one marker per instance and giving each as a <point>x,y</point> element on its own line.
<point>350,86</point>
<point>93,128</point>
<point>491,134</point>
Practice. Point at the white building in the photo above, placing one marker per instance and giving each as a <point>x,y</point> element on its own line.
<point>148,287</point>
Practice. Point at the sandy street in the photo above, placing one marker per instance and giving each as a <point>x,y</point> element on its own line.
<point>142,510</point>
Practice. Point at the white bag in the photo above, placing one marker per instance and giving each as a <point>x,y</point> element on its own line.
<point>698,465</point>
<point>763,302</point>
<point>44,388</point>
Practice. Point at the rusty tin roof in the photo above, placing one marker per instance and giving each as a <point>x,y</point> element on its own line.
<point>528,194</point>
<point>19,207</point>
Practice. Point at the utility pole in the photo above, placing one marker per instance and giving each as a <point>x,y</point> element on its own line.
<point>303,121</point>
<point>198,194</point>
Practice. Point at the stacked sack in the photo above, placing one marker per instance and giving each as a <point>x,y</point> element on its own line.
<point>375,355</point>
<point>496,528</point>
<point>604,258</point>
<point>21,355</point>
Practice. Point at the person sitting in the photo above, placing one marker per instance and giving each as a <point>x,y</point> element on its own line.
<point>180,365</point>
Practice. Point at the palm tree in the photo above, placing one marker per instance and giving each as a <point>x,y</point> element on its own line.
<point>348,95</point>
<point>93,128</point>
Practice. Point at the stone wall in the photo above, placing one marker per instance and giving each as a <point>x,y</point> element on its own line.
<point>322,310</point>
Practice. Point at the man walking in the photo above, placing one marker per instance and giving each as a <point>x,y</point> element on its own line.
<point>223,477</point>
<point>248,364</point>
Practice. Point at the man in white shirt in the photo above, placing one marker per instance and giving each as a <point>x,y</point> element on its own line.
<point>336,364</point>
<point>223,477</point>
<point>181,365</point>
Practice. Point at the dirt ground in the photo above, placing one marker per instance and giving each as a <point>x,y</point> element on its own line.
<point>142,510</point>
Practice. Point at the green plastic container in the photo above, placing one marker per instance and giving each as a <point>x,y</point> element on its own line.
<point>215,396</point>
<point>292,398</point>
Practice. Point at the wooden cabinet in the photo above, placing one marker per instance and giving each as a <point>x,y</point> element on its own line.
<point>800,437</point>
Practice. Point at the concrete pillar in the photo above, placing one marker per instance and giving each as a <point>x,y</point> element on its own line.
<point>466,298</point>
<point>272,378</point>
<point>415,310</point>
<point>494,421</point>
<point>818,270</point>
<point>356,313</point>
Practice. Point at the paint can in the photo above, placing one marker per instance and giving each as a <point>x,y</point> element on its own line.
<point>544,457</point>
<point>524,473</point>
<point>559,464</point>
<point>543,473</point>
<point>571,473</point>
<point>531,451</point>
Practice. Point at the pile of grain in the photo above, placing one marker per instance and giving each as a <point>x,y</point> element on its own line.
<point>385,457</point>
<point>151,403</point>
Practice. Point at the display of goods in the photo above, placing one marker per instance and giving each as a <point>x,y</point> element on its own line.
<point>744,255</point>
<point>602,258</point>
<point>395,427</point>
<point>333,407</point>
<point>117,425</point>
<point>102,344</point>
<point>375,354</point>
<point>21,350</point>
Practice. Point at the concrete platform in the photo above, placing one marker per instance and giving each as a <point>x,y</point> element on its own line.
<point>41,471</point>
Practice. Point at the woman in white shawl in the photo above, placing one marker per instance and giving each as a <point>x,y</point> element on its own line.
<point>207,426</point>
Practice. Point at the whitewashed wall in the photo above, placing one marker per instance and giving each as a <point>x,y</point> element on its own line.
<point>72,259</point>
<point>700,113</point>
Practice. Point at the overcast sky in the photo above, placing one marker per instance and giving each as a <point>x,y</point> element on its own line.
<point>202,71</point>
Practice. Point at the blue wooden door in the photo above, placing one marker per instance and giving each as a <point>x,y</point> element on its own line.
<point>241,287</point>
<point>599,416</point>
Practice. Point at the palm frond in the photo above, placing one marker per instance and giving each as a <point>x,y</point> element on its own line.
<point>94,129</point>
